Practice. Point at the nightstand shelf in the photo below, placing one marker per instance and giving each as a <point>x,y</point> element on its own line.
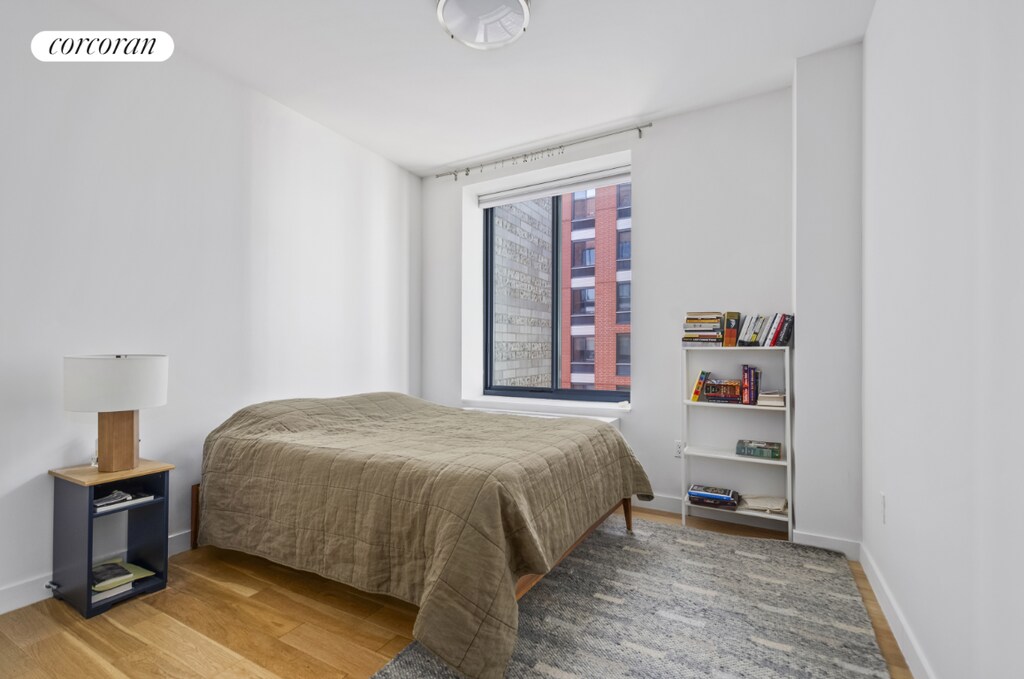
<point>74,518</point>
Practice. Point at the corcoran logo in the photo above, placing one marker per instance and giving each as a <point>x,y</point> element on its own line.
<point>102,46</point>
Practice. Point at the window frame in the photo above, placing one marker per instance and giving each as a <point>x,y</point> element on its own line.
<point>555,391</point>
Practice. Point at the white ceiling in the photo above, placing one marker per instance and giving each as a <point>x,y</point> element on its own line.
<point>383,72</point>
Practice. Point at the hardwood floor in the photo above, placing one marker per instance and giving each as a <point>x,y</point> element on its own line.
<point>227,615</point>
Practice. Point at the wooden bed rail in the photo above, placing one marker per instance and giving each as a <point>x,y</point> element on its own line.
<point>195,516</point>
<point>524,584</point>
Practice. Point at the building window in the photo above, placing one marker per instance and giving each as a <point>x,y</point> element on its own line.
<point>582,355</point>
<point>624,200</point>
<point>622,361</point>
<point>545,335</point>
<point>583,258</point>
<point>584,204</point>
<point>583,305</point>
<point>623,250</point>
<point>584,209</point>
<point>623,292</point>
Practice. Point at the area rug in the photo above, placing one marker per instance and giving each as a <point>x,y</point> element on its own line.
<point>670,602</point>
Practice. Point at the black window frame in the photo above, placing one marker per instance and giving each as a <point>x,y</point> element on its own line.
<point>555,391</point>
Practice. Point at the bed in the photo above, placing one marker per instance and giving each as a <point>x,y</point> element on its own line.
<point>443,508</point>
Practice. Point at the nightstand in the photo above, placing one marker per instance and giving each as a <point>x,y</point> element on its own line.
<point>74,517</point>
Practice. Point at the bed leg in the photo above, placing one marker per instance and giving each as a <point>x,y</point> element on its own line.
<point>195,516</point>
<point>627,511</point>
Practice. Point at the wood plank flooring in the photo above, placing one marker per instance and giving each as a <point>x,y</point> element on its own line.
<point>227,615</point>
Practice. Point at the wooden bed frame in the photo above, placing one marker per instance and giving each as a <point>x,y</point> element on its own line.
<point>525,583</point>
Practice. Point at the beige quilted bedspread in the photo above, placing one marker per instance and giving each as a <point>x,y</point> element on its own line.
<point>437,506</point>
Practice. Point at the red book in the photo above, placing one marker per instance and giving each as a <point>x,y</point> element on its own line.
<point>778,330</point>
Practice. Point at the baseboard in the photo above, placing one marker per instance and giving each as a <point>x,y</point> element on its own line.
<point>30,591</point>
<point>851,548</point>
<point>179,542</point>
<point>24,593</point>
<point>663,503</point>
<point>912,652</point>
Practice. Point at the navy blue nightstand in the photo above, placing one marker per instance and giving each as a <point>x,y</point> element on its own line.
<point>74,516</point>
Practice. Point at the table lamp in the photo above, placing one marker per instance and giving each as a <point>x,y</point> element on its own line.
<point>116,386</point>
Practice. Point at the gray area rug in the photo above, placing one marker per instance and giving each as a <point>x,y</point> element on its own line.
<point>674,602</point>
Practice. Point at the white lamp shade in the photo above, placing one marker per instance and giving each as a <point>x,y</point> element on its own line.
<point>484,24</point>
<point>113,383</point>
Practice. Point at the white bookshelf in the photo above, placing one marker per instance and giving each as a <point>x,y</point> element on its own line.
<point>710,432</point>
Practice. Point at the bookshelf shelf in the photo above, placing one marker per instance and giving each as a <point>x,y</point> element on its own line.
<point>730,456</point>
<point>736,349</point>
<point>707,404</point>
<point>710,432</point>
<point>742,512</point>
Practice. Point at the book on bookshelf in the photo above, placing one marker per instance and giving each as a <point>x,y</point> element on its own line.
<point>698,387</point>
<point>723,391</point>
<point>703,328</point>
<point>732,328</point>
<point>708,502</point>
<point>764,503</point>
<point>772,399</point>
<point>768,450</point>
<point>712,493</point>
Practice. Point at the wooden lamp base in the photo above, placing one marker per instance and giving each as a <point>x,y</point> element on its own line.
<point>119,441</point>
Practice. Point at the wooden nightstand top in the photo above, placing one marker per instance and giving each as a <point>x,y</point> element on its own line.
<point>87,475</point>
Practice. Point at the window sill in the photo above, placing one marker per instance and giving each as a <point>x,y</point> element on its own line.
<point>549,406</point>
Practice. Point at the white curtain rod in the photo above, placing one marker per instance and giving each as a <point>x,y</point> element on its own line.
<point>558,149</point>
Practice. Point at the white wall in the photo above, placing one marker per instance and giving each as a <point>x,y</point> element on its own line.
<point>710,188</point>
<point>162,208</point>
<point>942,298</point>
<point>827,148</point>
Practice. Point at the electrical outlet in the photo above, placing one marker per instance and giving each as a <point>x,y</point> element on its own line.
<point>883,508</point>
<point>679,448</point>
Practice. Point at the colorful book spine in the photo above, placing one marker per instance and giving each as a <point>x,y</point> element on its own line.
<point>698,386</point>
<point>746,385</point>
<point>732,328</point>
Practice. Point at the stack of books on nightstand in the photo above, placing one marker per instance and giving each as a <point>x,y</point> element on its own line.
<point>115,577</point>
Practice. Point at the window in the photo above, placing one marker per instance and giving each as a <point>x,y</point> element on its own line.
<point>624,249</point>
<point>624,200</point>
<point>583,302</point>
<point>582,355</point>
<point>583,258</point>
<point>623,303</point>
<point>622,362</point>
<point>584,204</point>
<point>551,329</point>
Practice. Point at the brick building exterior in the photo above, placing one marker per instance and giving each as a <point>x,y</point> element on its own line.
<point>596,288</point>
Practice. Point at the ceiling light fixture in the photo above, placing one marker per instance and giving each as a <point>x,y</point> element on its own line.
<point>484,24</point>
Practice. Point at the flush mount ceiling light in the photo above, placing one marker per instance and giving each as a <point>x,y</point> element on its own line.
<point>484,24</point>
